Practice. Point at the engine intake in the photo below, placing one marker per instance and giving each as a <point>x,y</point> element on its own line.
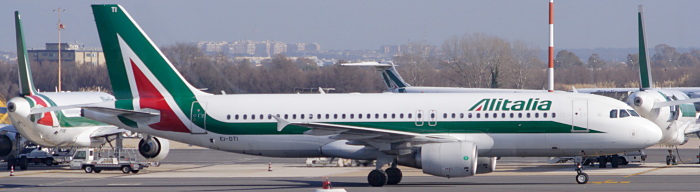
<point>154,148</point>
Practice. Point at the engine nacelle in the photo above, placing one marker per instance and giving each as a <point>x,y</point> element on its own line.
<point>456,159</point>
<point>7,145</point>
<point>154,148</point>
<point>485,165</point>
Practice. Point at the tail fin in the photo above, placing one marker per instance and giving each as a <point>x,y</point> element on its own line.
<point>137,68</point>
<point>644,67</point>
<point>26,85</point>
<point>390,75</point>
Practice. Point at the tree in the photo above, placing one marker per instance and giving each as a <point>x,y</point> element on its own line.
<point>566,59</point>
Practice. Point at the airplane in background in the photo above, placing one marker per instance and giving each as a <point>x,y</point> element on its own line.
<point>396,84</point>
<point>61,128</point>
<point>446,135</point>
<point>670,108</point>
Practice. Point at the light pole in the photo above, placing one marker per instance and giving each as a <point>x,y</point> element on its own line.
<point>60,27</point>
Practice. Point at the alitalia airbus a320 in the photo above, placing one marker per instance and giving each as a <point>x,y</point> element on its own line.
<point>447,135</point>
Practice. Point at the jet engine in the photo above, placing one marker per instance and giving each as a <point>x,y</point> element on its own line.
<point>456,159</point>
<point>7,144</point>
<point>154,148</point>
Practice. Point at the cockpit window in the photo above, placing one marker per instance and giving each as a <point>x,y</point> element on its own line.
<point>623,114</point>
<point>633,113</point>
<point>613,113</point>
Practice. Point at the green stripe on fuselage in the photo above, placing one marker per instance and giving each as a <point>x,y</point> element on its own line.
<point>501,127</point>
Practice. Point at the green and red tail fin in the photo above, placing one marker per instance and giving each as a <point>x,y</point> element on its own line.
<point>26,85</point>
<point>645,81</point>
<point>137,68</point>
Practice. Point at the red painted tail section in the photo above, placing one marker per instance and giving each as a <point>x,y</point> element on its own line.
<point>151,98</point>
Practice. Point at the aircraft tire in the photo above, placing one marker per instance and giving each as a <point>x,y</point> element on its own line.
<point>602,160</point>
<point>377,178</point>
<point>394,176</point>
<point>615,161</point>
<point>23,163</point>
<point>582,178</point>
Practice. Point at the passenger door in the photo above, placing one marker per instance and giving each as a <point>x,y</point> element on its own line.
<point>579,122</point>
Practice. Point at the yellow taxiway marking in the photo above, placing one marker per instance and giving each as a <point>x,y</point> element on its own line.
<point>647,171</point>
<point>610,181</point>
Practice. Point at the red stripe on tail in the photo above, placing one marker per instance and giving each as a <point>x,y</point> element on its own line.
<point>150,97</point>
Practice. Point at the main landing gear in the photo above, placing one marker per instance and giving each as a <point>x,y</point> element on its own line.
<point>581,177</point>
<point>390,176</point>
<point>671,158</point>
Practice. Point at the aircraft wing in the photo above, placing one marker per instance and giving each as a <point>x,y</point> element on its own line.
<point>676,102</point>
<point>360,133</point>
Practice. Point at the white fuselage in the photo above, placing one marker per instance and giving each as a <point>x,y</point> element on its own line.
<point>575,124</point>
<point>63,128</point>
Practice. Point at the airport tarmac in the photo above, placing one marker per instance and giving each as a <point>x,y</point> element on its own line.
<point>210,170</point>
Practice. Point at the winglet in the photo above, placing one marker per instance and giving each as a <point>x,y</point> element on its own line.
<point>644,67</point>
<point>573,89</point>
<point>26,85</point>
<point>281,123</point>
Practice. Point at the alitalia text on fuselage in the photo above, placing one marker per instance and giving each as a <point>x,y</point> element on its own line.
<point>501,104</point>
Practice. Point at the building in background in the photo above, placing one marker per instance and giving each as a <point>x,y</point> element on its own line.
<point>70,53</point>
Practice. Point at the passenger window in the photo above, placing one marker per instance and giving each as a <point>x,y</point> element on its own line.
<point>486,115</point>
<point>393,115</point>
<point>385,116</point>
<point>469,115</point>
<point>410,115</point>
<point>454,115</point>
<point>527,115</point>
<point>262,116</point>
<point>252,117</point>
<point>623,113</point>
<point>228,117</point>
<point>537,115</point>
<point>544,115</point>
<point>419,115</point>
<point>328,116</point>
<point>478,115</point>
<point>495,115</point>
<point>554,115</point>
<point>613,113</point>
<point>520,115</point>
<point>335,116</point>
<point>461,115</point>
<point>359,116</point>
<point>352,116</point>
<point>633,113</point>
<point>294,116</point>
<point>401,116</point>
<point>343,116</point>
<point>444,115</point>
<point>503,115</point>
<point>245,117</point>
<point>512,115</point>
<point>235,117</point>
<point>376,115</point>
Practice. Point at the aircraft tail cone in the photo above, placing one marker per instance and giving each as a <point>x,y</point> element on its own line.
<point>12,170</point>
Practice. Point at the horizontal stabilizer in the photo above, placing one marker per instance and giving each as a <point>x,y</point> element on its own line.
<point>368,64</point>
<point>676,102</point>
<point>123,112</point>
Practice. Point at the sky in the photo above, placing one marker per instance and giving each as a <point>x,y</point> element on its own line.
<point>366,24</point>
